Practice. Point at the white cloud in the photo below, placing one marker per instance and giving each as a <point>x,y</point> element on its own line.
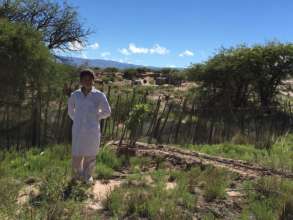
<point>125,61</point>
<point>75,46</point>
<point>105,54</point>
<point>133,49</point>
<point>159,50</point>
<point>186,53</point>
<point>124,51</point>
<point>94,46</point>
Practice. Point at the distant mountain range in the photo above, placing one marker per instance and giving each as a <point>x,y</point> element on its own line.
<point>77,61</point>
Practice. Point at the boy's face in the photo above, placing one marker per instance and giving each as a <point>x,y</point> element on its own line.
<point>87,82</point>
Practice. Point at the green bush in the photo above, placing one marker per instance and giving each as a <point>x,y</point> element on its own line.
<point>272,198</point>
<point>142,202</point>
<point>216,182</point>
<point>108,157</point>
<point>103,171</point>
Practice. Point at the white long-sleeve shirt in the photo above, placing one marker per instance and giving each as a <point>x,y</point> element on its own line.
<point>86,113</point>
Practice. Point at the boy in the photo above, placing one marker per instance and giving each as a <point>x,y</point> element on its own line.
<point>86,107</point>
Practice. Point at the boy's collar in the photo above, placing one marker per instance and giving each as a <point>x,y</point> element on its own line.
<point>92,89</point>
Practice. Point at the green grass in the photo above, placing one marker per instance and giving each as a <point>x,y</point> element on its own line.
<point>50,170</point>
<point>138,199</point>
<point>34,162</point>
<point>137,164</point>
<point>103,171</point>
<point>50,174</point>
<point>269,198</point>
<point>152,202</point>
<point>279,157</point>
<point>216,181</point>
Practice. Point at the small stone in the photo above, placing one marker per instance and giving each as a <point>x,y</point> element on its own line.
<point>30,180</point>
<point>202,184</point>
<point>148,179</point>
<point>234,193</point>
<point>170,185</point>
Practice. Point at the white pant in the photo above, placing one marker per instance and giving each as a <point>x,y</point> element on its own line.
<point>83,166</point>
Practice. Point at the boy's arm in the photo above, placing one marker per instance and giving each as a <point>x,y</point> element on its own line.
<point>71,106</point>
<point>104,109</point>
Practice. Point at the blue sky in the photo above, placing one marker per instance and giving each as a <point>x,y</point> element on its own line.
<point>176,33</point>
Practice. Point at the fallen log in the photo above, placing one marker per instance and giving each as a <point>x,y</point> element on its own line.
<point>190,158</point>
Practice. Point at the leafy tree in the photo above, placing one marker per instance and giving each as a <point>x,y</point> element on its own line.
<point>97,68</point>
<point>130,73</point>
<point>235,75</point>
<point>177,75</point>
<point>195,72</point>
<point>29,80</point>
<point>59,23</point>
<point>135,121</point>
<point>110,70</point>
<point>23,58</point>
<point>166,71</point>
<point>142,70</point>
<point>225,79</point>
<point>270,66</point>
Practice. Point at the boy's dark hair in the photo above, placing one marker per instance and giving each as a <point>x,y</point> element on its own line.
<point>87,72</point>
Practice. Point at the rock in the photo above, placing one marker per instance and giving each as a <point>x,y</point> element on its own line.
<point>202,184</point>
<point>135,183</point>
<point>171,178</point>
<point>26,193</point>
<point>170,185</point>
<point>149,180</point>
<point>30,180</point>
<point>100,190</point>
<point>232,193</point>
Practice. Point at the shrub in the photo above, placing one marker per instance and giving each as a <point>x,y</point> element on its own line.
<point>103,171</point>
<point>272,199</point>
<point>215,183</point>
<point>109,158</point>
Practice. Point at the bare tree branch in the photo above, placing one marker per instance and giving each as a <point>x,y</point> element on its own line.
<point>59,23</point>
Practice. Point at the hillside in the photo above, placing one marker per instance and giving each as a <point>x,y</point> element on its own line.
<point>77,61</point>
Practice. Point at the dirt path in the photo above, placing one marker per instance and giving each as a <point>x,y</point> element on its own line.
<point>180,156</point>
